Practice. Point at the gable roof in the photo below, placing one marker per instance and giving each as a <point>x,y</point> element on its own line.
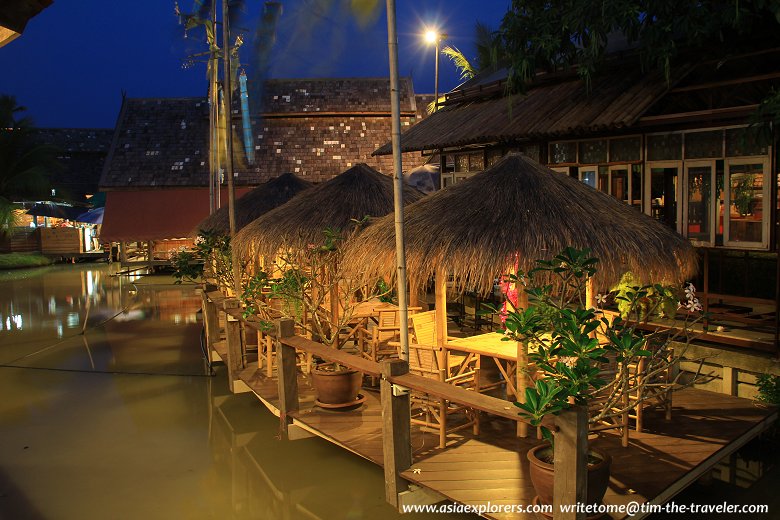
<point>315,128</point>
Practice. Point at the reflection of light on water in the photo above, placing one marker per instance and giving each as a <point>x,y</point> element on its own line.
<point>130,315</point>
<point>59,330</point>
<point>177,319</point>
<point>13,322</point>
<point>90,283</point>
<point>72,320</point>
<point>52,305</point>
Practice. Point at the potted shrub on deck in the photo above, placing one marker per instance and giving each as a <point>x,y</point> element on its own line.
<point>581,356</point>
<point>317,295</point>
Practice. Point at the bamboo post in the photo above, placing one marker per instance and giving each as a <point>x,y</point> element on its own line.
<point>287,373</point>
<point>570,460</point>
<point>441,307</point>
<point>235,360</point>
<point>150,255</point>
<point>122,254</point>
<point>522,365</point>
<point>396,430</point>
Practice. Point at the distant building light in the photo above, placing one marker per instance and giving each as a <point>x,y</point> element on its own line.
<point>53,192</point>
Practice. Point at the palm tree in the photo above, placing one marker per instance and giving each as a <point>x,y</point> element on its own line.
<point>25,165</point>
<point>487,48</point>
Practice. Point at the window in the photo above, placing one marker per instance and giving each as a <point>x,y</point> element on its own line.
<point>563,152</point>
<point>593,152</point>
<point>625,149</point>
<point>664,147</point>
<point>704,145</point>
<point>746,221</point>
<point>698,201</point>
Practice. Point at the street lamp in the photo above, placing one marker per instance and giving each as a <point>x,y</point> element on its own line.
<point>435,37</point>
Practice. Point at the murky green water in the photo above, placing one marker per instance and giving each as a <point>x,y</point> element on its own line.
<point>122,422</point>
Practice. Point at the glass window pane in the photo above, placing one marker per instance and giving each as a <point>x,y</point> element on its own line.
<point>563,152</point>
<point>741,142</point>
<point>704,145</point>
<point>625,149</point>
<point>699,200</point>
<point>476,162</point>
<point>603,179</point>
<point>531,150</point>
<point>664,147</point>
<point>619,184</point>
<point>493,156</point>
<point>462,163</point>
<point>746,204</point>
<point>636,186</point>
<point>592,152</point>
<point>588,177</point>
<point>663,195</point>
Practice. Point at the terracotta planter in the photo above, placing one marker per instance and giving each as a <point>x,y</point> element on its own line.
<point>336,387</point>
<point>542,474</point>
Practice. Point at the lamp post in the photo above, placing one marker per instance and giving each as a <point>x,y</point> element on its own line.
<point>435,37</point>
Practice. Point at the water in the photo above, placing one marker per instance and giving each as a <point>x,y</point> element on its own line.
<point>123,422</point>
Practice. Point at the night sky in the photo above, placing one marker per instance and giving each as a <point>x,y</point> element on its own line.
<point>75,58</point>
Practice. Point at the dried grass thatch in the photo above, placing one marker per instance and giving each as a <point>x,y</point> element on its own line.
<point>257,202</point>
<point>519,209</point>
<point>358,192</point>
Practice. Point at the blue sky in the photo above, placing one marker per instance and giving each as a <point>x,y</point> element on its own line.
<point>76,58</point>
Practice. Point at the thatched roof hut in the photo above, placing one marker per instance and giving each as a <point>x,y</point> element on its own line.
<point>475,229</point>
<point>358,192</point>
<point>257,202</point>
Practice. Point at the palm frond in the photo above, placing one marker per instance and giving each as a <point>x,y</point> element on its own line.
<point>460,61</point>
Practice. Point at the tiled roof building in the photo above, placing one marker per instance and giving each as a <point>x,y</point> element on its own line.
<point>82,152</point>
<point>315,128</point>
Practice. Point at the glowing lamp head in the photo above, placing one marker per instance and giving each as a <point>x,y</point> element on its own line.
<point>431,36</point>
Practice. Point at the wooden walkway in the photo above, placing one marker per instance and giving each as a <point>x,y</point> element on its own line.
<point>492,468</point>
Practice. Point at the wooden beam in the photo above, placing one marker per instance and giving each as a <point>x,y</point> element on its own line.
<point>235,359</point>
<point>210,321</point>
<point>396,430</point>
<point>713,113</point>
<point>521,367</point>
<point>287,373</point>
<point>289,115</point>
<point>571,463</point>
<point>726,83</point>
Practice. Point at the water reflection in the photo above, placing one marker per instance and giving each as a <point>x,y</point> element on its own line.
<point>121,422</point>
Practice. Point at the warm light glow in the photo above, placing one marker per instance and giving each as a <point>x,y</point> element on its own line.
<point>431,36</point>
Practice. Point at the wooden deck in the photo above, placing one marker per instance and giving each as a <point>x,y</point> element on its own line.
<point>492,467</point>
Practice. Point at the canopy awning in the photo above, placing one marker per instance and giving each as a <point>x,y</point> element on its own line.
<point>156,214</point>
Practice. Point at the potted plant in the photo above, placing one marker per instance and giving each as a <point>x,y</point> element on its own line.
<point>312,290</point>
<point>571,344</point>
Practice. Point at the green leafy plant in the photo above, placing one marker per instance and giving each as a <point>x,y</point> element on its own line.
<point>571,344</point>
<point>768,389</point>
<point>209,259</point>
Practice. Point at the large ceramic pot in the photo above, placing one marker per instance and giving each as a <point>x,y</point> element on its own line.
<point>599,464</point>
<point>336,385</point>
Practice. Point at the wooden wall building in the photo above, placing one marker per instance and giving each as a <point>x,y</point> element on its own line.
<point>156,177</point>
<point>679,149</point>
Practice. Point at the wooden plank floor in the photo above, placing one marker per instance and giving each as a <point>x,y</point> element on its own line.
<point>492,468</point>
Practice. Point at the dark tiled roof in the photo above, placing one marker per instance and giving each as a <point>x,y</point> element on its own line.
<point>82,152</point>
<point>555,107</point>
<point>340,95</point>
<point>164,142</point>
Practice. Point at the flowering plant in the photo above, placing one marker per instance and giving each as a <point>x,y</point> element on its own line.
<point>580,353</point>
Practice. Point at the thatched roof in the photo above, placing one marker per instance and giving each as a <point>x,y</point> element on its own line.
<point>358,192</point>
<point>475,229</point>
<point>257,202</point>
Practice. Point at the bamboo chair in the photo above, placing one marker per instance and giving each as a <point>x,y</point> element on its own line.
<point>379,342</point>
<point>430,412</point>
<point>652,383</point>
